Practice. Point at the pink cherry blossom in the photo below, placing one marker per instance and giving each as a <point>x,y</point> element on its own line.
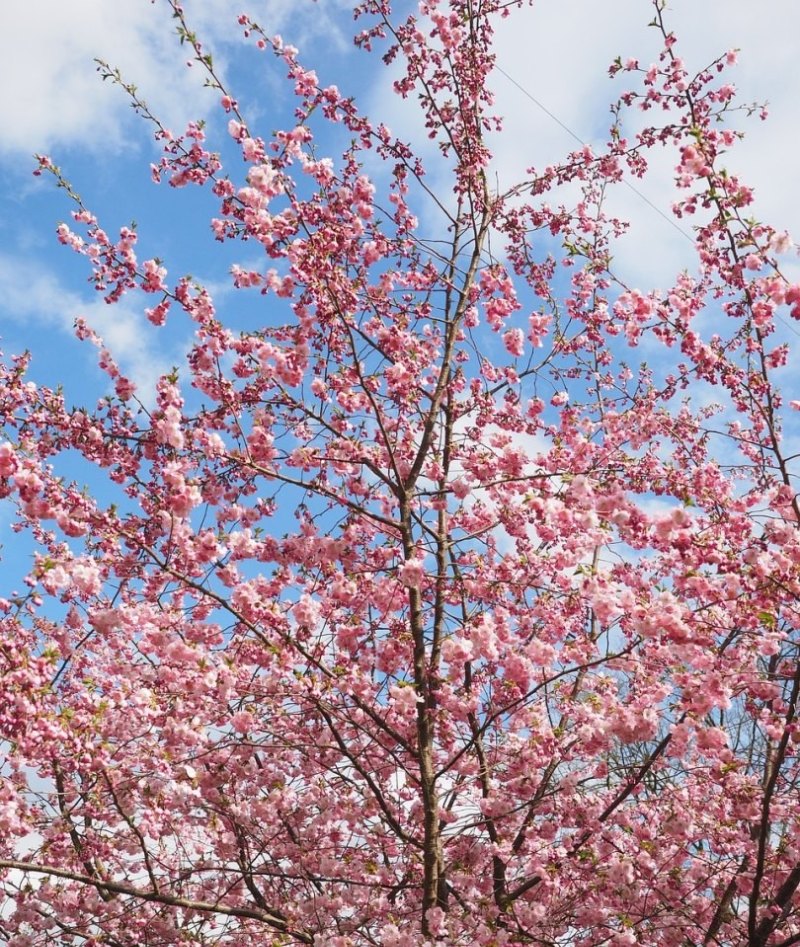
<point>514,341</point>
<point>381,620</point>
<point>412,573</point>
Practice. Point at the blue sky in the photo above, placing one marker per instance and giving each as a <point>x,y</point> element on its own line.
<point>64,109</point>
<point>54,102</point>
<point>559,51</point>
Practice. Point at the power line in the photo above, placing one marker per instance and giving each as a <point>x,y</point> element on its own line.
<point>627,183</point>
<point>582,141</point>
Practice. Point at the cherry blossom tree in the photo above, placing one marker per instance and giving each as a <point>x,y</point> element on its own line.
<point>422,611</point>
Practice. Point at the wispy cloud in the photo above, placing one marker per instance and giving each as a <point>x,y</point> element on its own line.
<point>36,302</point>
<point>48,51</point>
<point>559,52</point>
<point>59,98</point>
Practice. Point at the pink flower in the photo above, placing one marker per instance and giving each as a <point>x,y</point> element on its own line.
<point>404,698</point>
<point>158,314</point>
<point>711,739</point>
<point>241,721</point>
<point>168,430</point>
<point>514,341</point>
<point>306,612</point>
<point>8,460</point>
<point>105,620</point>
<point>319,388</point>
<point>153,277</point>
<point>86,575</point>
<point>460,488</point>
<point>780,242</point>
<point>412,574</point>
<point>124,388</point>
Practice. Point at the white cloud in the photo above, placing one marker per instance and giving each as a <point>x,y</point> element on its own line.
<point>59,98</point>
<point>48,48</point>
<point>37,301</point>
<point>559,51</point>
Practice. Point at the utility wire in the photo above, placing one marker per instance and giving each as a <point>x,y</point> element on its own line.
<point>581,141</point>
<point>627,183</point>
